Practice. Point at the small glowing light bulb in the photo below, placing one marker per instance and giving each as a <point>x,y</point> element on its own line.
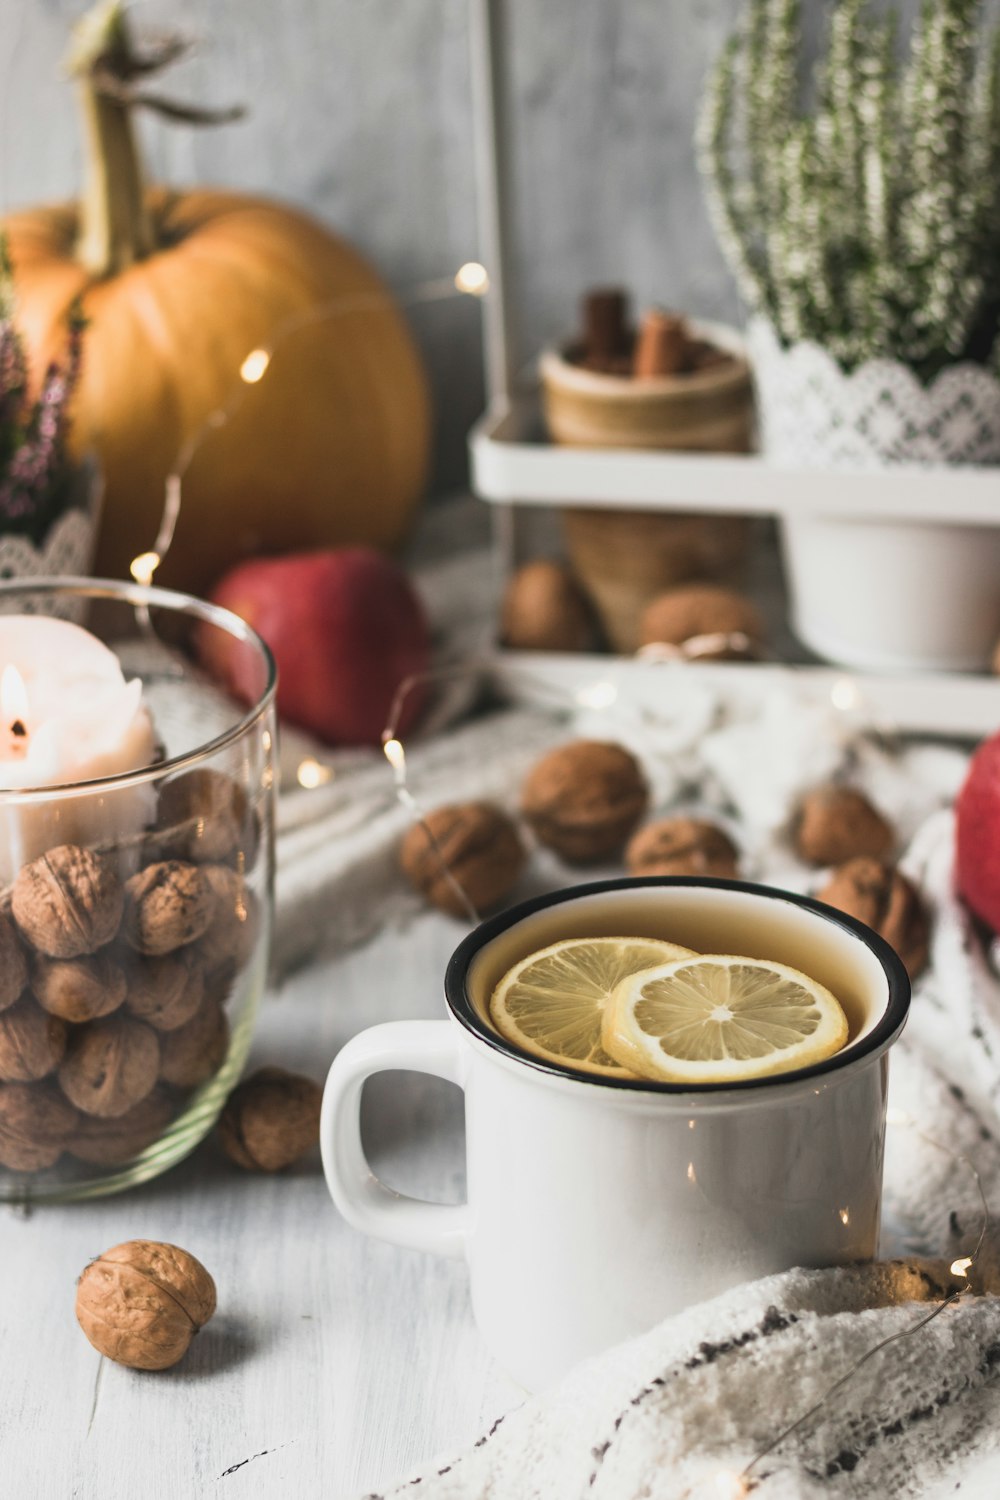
<point>311,773</point>
<point>253,367</point>
<point>961,1266</point>
<point>144,566</point>
<point>897,1117</point>
<point>395,755</point>
<point>473,279</point>
<point>729,1486</point>
<point>845,694</point>
<point>597,695</point>
<point>844,1215</point>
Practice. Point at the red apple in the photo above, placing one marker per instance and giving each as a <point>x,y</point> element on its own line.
<point>346,627</point>
<point>977,843</point>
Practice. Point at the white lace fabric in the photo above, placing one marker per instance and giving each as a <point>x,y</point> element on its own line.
<point>813,415</point>
<point>66,552</point>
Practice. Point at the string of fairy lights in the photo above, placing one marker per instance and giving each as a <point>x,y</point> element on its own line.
<point>472,280</point>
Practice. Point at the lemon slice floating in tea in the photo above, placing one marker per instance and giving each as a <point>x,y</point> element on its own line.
<point>720,1020</point>
<point>552,1003</point>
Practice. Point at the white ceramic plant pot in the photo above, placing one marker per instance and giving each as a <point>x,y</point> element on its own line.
<point>883,595</point>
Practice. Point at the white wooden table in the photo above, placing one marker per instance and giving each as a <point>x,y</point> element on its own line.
<point>334,1364</point>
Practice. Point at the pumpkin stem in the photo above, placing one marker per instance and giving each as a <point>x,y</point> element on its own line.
<point>116,226</point>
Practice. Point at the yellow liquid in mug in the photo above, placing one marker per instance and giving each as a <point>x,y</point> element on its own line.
<point>786,1001</point>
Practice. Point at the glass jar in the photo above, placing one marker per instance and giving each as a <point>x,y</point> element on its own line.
<point>135,910</point>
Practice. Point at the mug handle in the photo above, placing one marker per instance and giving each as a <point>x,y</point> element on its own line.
<point>365,1202</point>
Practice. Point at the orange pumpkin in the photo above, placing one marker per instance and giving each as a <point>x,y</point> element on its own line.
<point>329,447</point>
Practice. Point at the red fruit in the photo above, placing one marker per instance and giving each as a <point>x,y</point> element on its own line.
<point>346,627</point>
<point>977,844</point>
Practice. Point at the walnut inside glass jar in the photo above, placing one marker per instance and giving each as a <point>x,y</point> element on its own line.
<point>164,992</point>
<point>32,1042</point>
<point>13,964</point>
<point>193,1052</point>
<point>106,1142</point>
<point>204,817</point>
<point>37,1122</point>
<point>68,903</point>
<point>78,989</point>
<point>232,934</point>
<point>110,1066</point>
<point>167,906</point>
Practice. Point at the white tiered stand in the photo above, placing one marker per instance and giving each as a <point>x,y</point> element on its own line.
<point>513,465</point>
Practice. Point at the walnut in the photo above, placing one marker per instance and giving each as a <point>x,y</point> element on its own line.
<point>13,964</point>
<point>205,817</point>
<point>235,927</point>
<point>477,843</point>
<point>78,989</point>
<point>142,1303</point>
<point>702,609</point>
<point>835,823</point>
<point>884,899</point>
<point>110,1066</point>
<point>271,1120</point>
<point>36,1124</point>
<point>167,905</point>
<point>109,1143</point>
<point>584,799</point>
<point>193,1052</point>
<point>545,609</point>
<point>682,846</point>
<point>68,903</point>
<point>31,1043</point>
<point>164,992</point>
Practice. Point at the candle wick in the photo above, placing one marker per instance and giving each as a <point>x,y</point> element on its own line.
<point>19,728</point>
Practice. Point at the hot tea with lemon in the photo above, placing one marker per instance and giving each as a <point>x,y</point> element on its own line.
<point>637,1007</point>
<point>672,1086</point>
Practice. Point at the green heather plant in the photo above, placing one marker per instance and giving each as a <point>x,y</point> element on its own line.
<point>867,219</point>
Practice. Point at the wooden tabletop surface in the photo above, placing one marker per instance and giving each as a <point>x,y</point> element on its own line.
<point>334,1365</point>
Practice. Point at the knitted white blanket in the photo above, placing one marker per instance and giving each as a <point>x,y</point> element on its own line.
<point>672,1413</point>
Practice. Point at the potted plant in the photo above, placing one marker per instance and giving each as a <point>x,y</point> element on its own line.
<point>864,229</point>
<point>48,502</point>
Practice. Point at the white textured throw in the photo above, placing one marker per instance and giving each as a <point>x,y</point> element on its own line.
<point>664,1416</point>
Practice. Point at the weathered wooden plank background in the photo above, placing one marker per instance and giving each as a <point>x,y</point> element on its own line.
<point>360,110</point>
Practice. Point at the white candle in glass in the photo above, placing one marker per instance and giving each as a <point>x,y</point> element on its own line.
<point>67,717</point>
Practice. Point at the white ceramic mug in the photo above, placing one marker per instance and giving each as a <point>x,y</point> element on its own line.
<point>597,1206</point>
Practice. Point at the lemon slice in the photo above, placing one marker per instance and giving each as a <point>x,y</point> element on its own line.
<point>552,1002</point>
<point>721,1019</point>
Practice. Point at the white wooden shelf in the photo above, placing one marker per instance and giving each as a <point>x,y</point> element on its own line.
<point>513,463</point>
<point>941,704</point>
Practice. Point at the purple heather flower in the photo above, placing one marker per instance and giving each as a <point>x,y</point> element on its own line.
<point>33,461</point>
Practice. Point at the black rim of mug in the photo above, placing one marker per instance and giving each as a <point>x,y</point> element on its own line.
<point>885,1031</point>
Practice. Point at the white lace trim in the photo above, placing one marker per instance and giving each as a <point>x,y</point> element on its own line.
<point>68,550</point>
<point>813,414</point>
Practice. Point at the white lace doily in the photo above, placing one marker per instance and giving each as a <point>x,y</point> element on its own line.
<point>68,551</point>
<point>812,414</point>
